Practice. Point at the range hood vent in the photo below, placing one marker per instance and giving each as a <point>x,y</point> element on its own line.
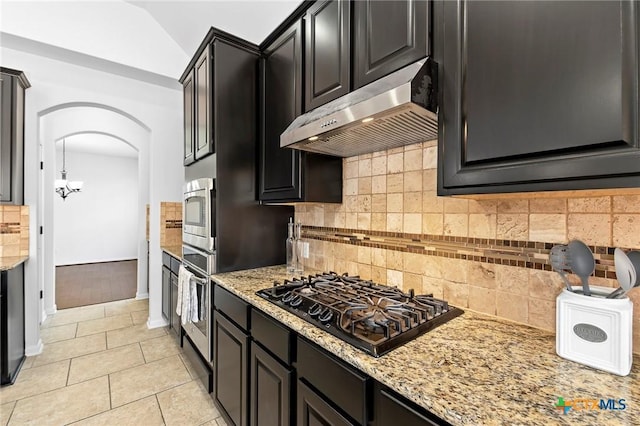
<point>396,110</point>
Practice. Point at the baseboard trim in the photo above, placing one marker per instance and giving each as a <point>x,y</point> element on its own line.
<point>34,349</point>
<point>142,296</point>
<point>50,311</point>
<point>157,323</point>
<point>97,263</point>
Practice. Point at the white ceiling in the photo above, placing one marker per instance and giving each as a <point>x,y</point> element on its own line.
<point>188,21</point>
<point>97,144</point>
<point>157,36</point>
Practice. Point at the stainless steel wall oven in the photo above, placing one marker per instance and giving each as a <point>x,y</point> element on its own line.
<point>200,264</point>
<point>199,214</point>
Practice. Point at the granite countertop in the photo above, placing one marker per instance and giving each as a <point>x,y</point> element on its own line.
<point>175,251</point>
<point>475,369</point>
<point>10,262</point>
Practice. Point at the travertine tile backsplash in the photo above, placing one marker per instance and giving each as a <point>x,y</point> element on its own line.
<point>170,224</point>
<point>477,253</point>
<point>14,230</point>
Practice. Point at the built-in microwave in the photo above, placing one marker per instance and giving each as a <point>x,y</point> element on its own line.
<point>199,214</point>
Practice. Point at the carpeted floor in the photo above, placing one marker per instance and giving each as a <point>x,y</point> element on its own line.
<point>92,283</point>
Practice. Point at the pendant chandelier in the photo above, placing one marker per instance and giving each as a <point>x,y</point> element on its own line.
<point>63,186</point>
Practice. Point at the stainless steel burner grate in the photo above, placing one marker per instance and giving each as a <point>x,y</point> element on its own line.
<point>373,317</point>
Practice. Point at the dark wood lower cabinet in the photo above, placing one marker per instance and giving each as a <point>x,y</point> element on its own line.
<point>270,390</point>
<point>175,318</point>
<point>231,379</point>
<point>347,388</point>
<point>201,368</point>
<point>166,293</point>
<point>313,410</point>
<point>271,377</point>
<point>11,323</point>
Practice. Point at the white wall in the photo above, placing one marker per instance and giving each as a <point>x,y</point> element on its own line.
<point>148,116</point>
<point>99,224</point>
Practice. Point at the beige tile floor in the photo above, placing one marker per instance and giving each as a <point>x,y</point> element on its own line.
<point>102,366</point>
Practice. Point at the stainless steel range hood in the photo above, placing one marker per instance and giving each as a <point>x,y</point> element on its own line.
<point>396,110</point>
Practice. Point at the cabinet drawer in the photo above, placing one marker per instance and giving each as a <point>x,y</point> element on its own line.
<point>393,409</point>
<point>273,336</point>
<point>200,367</point>
<point>166,260</point>
<point>232,306</point>
<point>175,265</point>
<point>345,386</point>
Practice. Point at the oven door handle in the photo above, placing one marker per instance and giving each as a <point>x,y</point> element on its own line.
<point>202,281</point>
<point>196,275</point>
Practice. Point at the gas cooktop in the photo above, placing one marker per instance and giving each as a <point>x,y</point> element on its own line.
<point>369,316</point>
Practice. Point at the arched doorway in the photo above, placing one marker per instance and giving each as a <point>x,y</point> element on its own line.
<point>95,230</point>
<point>75,118</point>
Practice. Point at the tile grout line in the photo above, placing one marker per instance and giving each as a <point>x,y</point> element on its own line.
<point>68,373</point>
<point>159,392</point>
<point>160,408</point>
<point>73,357</point>
<point>70,359</point>
<point>110,397</point>
<point>189,378</point>
<point>144,358</point>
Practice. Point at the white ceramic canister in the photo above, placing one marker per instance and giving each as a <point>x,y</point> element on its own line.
<point>594,330</point>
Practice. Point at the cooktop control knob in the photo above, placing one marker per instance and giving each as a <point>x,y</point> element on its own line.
<point>296,301</point>
<point>315,309</point>
<point>326,315</point>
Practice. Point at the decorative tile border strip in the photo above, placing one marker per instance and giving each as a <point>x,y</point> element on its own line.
<point>10,228</point>
<point>173,224</point>
<point>523,254</point>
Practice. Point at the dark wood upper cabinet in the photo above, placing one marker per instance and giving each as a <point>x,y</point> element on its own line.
<point>387,36</point>
<point>189,88</point>
<point>197,106</point>
<point>204,144</point>
<point>282,103</point>
<point>13,84</point>
<point>287,174</point>
<point>327,52</point>
<point>537,95</point>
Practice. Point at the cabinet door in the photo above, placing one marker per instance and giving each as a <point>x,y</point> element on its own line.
<point>175,318</point>
<point>537,95</point>
<point>327,52</point>
<point>204,144</point>
<point>6,141</point>
<point>12,331</point>
<point>231,380</point>
<point>189,118</point>
<point>388,36</point>
<point>270,390</point>
<point>166,293</point>
<point>280,177</point>
<point>315,411</point>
